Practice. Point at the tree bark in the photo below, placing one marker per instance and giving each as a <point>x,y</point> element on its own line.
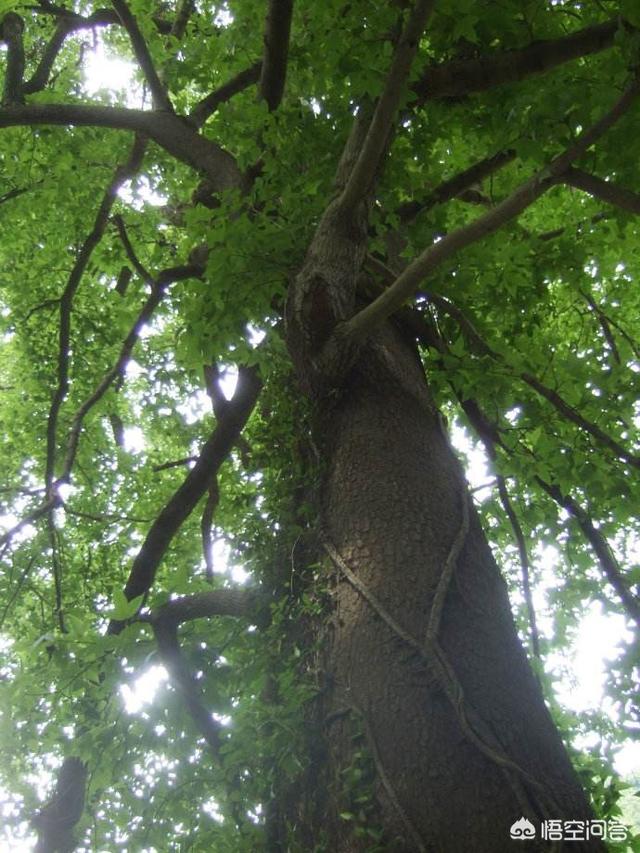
<point>447,773</point>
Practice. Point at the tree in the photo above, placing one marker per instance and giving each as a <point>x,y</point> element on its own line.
<point>372,214</point>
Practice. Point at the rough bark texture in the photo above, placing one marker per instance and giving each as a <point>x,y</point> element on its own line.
<point>392,505</point>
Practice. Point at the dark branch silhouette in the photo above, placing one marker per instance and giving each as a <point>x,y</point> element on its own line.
<point>458,78</point>
<point>276,51</point>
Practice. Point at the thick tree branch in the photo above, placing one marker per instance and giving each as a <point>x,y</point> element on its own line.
<point>185,10</point>
<point>458,78</point>
<point>376,139</point>
<point>168,130</point>
<point>195,484</point>
<point>11,31</point>
<point>175,664</point>
<point>276,51</point>
<point>55,822</point>
<point>210,103</point>
<point>240,602</point>
<point>42,73</point>
<point>363,323</point>
<point>612,194</point>
<point>159,94</point>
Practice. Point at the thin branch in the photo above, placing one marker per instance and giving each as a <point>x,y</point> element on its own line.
<point>206,524</point>
<point>603,320</point>
<point>600,546</point>
<point>29,518</point>
<point>21,581</point>
<point>605,190</point>
<point>56,571</point>
<point>575,417</point>
<point>276,51</point>
<point>175,463</point>
<point>375,143</point>
<point>146,312</point>
<point>18,191</point>
<point>524,563</point>
<point>210,103</point>
<point>453,187</point>
<point>130,252</point>
<point>122,174</point>
<point>159,94</point>
<point>11,30</point>
<point>483,348</point>
<point>458,78</point>
<point>195,484</point>
<point>490,436</point>
<point>106,517</point>
<point>363,323</point>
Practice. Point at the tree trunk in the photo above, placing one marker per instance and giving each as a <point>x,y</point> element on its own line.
<point>459,741</point>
